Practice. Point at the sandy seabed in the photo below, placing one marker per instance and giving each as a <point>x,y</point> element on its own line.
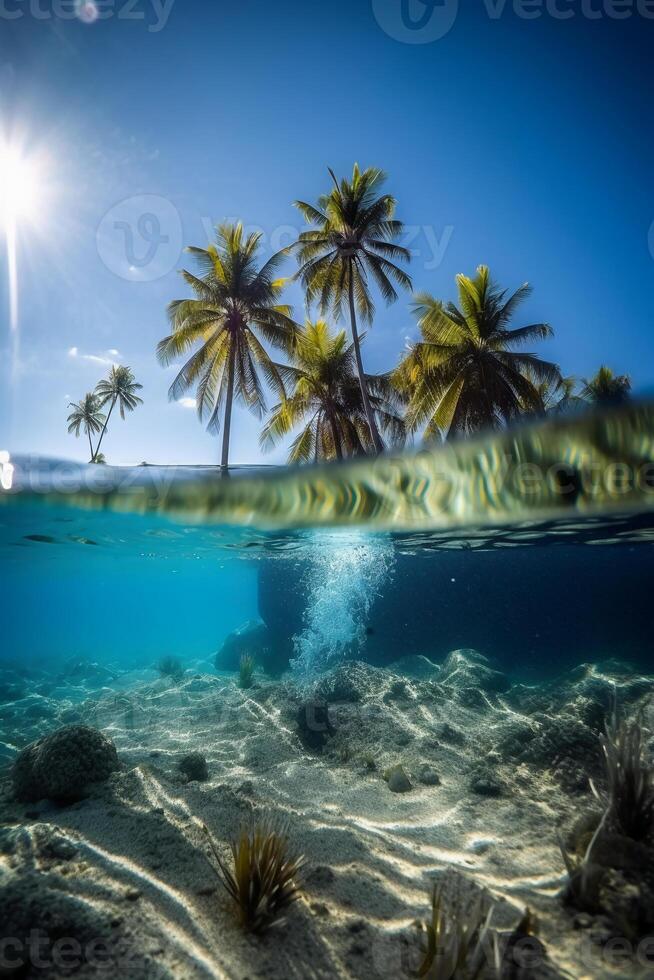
<point>494,768</point>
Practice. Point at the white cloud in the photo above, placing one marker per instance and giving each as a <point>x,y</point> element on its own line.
<point>187,402</point>
<point>107,359</point>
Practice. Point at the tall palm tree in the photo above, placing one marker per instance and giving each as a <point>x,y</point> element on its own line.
<point>86,415</point>
<point>605,386</point>
<point>235,301</point>
<point>118,389</point>
<point>464,374</point>
<point>352,242</point>
<point>326,400</point>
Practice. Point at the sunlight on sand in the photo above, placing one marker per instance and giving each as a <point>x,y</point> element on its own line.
<point>180,909</point>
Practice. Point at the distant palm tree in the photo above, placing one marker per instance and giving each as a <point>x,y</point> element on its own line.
<point>326,400</point>
<point>118,389</point>
<point>556,395</point>
<point>606,386</point>
<point>353,242</point>
<point>236,300</point>
<point>86,415</point>
<point>464,374</point>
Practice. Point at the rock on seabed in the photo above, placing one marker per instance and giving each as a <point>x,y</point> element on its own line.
<point>60,766</point>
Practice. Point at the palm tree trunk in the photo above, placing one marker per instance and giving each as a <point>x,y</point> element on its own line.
<point>88,432</point>
<point>372,425</point>
<point>336,437</point>
<point>104,429</point>
<point>224,463</point>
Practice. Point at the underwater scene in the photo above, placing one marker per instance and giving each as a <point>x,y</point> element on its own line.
<point>387,718</point>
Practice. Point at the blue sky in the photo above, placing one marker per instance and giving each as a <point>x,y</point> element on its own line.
<point>523,143</point>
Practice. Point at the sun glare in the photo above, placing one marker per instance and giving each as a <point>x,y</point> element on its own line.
<point>20,185</point>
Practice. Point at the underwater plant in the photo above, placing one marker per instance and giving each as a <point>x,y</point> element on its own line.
<point>629,800</point>
<point>627,808</point>
<point>246,671</point>
<point>369,760</point>
<point>458,944</point>
<point>582,875</point>
<point>171,667</point>
<point>263,882</point>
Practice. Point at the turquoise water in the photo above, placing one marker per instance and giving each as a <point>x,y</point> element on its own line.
<point>533,546</point>
<point>499,594</point>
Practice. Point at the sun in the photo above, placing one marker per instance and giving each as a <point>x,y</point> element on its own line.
<point>20,185</point>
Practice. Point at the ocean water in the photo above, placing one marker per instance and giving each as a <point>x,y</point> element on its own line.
<point>439,638</point>
<point>532,546</point>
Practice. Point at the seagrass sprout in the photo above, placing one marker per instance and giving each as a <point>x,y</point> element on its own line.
<point>262,877</point>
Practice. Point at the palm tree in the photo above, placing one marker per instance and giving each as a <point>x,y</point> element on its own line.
<point>556,395</point>
<point>464,374</point>
<point>236,300</point>
<point>120,389</point>
<point>326,400</point>
<point>86,415</point>
<point>606,386</point>
<point>352,242</point>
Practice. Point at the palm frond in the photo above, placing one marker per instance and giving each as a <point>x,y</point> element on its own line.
<point>464,374</point>
<point>236,307</point>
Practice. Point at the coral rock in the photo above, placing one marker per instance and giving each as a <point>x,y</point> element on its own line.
<point>314,724</point>
<point>61,766</point>
<point>352,681</point>
<point>194,767</point>
<point>398,781</point>
<point>428,776</point>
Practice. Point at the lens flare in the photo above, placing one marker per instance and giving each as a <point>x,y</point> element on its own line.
<point>87,11</point>
<point>20,184</point>
<point>21,204</point>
